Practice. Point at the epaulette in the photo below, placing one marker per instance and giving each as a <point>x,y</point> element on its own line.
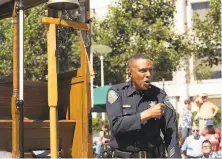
<point>114,92</point>
<point>120,86</point>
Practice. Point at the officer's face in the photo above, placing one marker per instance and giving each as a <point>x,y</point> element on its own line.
<point>141,70</point>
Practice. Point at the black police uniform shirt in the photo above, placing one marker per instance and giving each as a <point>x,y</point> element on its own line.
<point>124,105</point>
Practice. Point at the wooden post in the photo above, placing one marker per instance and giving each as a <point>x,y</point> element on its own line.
<point>14,110</point>
<point>87,136</point>
<point>52,89</point>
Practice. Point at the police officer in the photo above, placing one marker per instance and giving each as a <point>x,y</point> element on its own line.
<point>138,112</point>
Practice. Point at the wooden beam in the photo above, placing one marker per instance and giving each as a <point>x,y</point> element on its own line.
<point>66,23</point>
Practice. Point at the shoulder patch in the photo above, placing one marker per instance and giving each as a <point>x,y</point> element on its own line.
<point>167,103</point>
<point>112,96</point>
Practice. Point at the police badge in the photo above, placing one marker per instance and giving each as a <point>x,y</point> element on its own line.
<point>152,103</point>
<point>112,96</point>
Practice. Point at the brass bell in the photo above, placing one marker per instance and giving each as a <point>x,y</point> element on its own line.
<point>63,4</point>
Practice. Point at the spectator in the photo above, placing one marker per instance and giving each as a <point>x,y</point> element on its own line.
<point>207,150</point>
<point>103,140</point>
<point>192,145</point>
<point>213,135</point>
<point>185,121</point>
<point>207,110</point>
<point>219,153</point>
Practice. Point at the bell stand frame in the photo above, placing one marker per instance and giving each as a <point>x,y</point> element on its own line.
<point>52,73</point>
<point>52,78</point>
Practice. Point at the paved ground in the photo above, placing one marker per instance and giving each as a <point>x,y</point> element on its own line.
<point>5,154</point>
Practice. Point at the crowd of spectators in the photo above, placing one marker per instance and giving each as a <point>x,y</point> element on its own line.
<point>203,141</point>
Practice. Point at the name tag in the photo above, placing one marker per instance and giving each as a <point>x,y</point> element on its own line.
<point>126,106</point>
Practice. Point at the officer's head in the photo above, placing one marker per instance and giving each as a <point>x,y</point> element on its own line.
<point>140,70</point>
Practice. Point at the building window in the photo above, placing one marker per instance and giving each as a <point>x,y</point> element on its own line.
<point>201,9</point>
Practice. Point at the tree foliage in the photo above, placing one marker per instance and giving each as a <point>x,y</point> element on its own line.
<point>97,124</point>
<point>208,35</point>
<point>35,45</point>
<point>202,71</point>
<point>35,49</point>
<point>6,46</point>
<point>140,26</point>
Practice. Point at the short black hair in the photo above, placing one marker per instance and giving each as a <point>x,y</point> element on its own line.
<point>138,56</point>
<point>206,141</point>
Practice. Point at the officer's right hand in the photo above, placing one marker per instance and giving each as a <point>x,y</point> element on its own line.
<point>155,111</point>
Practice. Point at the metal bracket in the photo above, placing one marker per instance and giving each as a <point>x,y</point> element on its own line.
<point>19,103</point>
<point>19,7</point>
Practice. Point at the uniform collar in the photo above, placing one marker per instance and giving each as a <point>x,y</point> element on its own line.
<point>132,90</point>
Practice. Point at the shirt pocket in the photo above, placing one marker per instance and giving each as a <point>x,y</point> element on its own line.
<point>128,111</point>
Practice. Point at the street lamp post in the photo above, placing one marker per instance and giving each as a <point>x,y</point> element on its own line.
<point>101,50</point>
<point>102,70</point>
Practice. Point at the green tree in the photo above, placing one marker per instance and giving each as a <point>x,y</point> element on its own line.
<point>202,71</point>
<point>35,56</point>
<point>35,45</point>
<point>208,35</point>
<point>6,46</point>
<point>139,26</point>
<point>35,50</point>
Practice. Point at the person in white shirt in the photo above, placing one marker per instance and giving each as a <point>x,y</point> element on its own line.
<point>192,147</point>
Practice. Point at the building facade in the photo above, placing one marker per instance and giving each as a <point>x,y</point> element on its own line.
<point>178,89</point>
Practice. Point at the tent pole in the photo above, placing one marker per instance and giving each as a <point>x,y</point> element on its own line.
<point>20,101</point>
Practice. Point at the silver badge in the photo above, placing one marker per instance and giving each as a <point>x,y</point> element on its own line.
<point>152,103</point>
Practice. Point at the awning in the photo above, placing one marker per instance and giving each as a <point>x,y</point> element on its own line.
<point>6,6</point>
<point>100,98</point>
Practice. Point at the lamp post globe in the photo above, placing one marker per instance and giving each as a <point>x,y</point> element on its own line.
<point>101,50</point>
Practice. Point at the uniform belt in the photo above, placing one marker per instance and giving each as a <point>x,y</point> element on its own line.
<point>206,118</point>
<point>140,154</point>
